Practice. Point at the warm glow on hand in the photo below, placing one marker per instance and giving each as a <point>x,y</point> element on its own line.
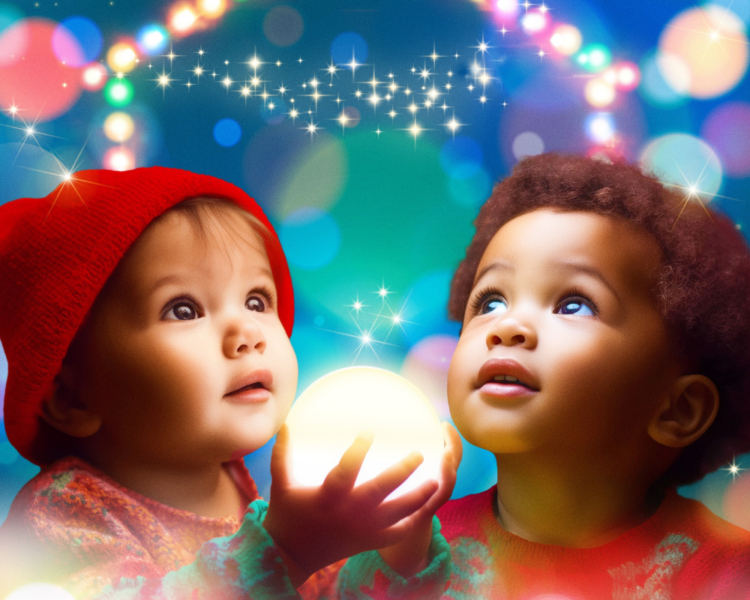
<point>332,411</point>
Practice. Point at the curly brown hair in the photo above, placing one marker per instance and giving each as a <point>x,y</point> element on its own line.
<point>703,288</point>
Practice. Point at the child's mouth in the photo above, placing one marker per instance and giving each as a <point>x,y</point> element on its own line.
<point>251,388</point>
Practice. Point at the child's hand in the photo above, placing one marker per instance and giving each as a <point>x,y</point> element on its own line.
<point>317,526</point>
<point>411,555</point>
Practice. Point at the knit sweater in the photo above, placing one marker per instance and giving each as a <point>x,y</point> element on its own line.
<point>682,552</point>
<point>75,527</point>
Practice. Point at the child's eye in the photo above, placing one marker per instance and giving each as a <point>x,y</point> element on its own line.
<point>182,311</point>
<point>489,302</point>
<point>256,303</point>
<point>580,307</point>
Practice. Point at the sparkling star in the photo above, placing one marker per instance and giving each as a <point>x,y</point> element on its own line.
<point>734,469</point>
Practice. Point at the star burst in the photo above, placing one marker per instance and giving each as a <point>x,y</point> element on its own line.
<point>374,322</point>
<point>734,469</point>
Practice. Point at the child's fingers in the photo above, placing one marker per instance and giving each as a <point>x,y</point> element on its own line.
<point>342,476</point>
<point>453,445</point>
<point>383,484</point>
<point>410,503</point>
<point>279,456</point>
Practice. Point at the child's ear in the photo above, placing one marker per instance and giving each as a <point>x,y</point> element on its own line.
<point>63,409</point>
<point>686,413</point>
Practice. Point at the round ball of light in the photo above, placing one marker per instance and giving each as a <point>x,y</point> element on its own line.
<point>337,407</point>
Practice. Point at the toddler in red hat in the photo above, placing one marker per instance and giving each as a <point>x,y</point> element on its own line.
<point>146,318</point>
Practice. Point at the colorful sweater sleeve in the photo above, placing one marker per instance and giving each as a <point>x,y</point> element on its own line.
<point>367,576</point>
<point>243,565</point>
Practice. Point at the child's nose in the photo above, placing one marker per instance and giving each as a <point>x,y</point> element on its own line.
<point>511,331</point>
<point>242,337</point>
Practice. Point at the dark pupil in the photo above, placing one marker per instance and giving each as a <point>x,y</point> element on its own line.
<point>255,304</point>
<point>184,312</point>
<point>571,307</point>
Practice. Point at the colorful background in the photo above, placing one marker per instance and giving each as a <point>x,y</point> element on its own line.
<point>371,132</point>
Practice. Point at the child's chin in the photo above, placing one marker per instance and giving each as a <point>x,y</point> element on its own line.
<point>237,454</point>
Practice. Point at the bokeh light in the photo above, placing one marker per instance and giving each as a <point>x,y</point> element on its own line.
<point>93,77</point>
<point>37,81</point>
<point>472,191</point>
<point>727,131</point>
<point>628,76</point>
<point>527,143</point>
<point>66,47</point>
<point>122,57</point>
<point>332,411</point>
<point>654,87</point>
<point>506,8</point>
<point>600,127</point>
<point>40,591</point>
<point>182,20</point>
<point>119,127</point>
<point>119,159</point>
<point>599,93</point>
<point>14,35</point>
<point>594,58</point>
<point>213,9</point>
<point>685,162</point>
<point>426,366</point>
<point>461,157</point>
<point>283,26</point>
<point>310,238</point>
<point>152,39</point>
<point>566,39</point>
<point>347,46</point>
<point>227,132</point>
<point>712,43</point>
<point>534,21</point>
<point>119,92</point>
<point>88,38</point>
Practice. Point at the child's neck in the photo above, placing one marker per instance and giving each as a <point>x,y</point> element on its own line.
<point>207,491</point>
<point>576,506</point>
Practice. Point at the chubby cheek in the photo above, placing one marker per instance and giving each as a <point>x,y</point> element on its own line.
<point>461,373</point>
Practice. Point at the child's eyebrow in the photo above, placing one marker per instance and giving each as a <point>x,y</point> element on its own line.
<point>565,265</point>
<point>498,265</point>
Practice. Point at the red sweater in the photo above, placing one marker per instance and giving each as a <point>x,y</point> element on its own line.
<point>683,552</point>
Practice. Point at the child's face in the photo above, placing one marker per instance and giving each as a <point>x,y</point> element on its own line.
<point>562,301</point>
<point>183,324</point>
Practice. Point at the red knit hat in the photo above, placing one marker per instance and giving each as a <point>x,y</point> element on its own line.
<point>57,252</point>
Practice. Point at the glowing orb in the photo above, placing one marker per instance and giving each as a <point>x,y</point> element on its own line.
<point>119,126</point>
<point>332,411</point>
<point>507,8</point>
<point>119,92</point>
<point>628,76</point>
<point>39,591</point>
<point>566,39</point>
<point>152,39</point>
<point>182,20</point>
<point>599,93</point>
<point>713,45</point>
<point>94,77</point>
<point>122,57</point>
<point>600,127</point>
<point>534,21</point>
<point>212,9</point>
<point>595,58</point>
<point>32,76</point>
<point>119,159</point>
<point>685,162</point>
<point>727,131</point>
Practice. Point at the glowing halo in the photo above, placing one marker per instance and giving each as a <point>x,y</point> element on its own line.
<point>333,410</point>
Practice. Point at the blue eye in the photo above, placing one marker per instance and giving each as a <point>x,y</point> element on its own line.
<point>575,306</point>
<point>493,305</point>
